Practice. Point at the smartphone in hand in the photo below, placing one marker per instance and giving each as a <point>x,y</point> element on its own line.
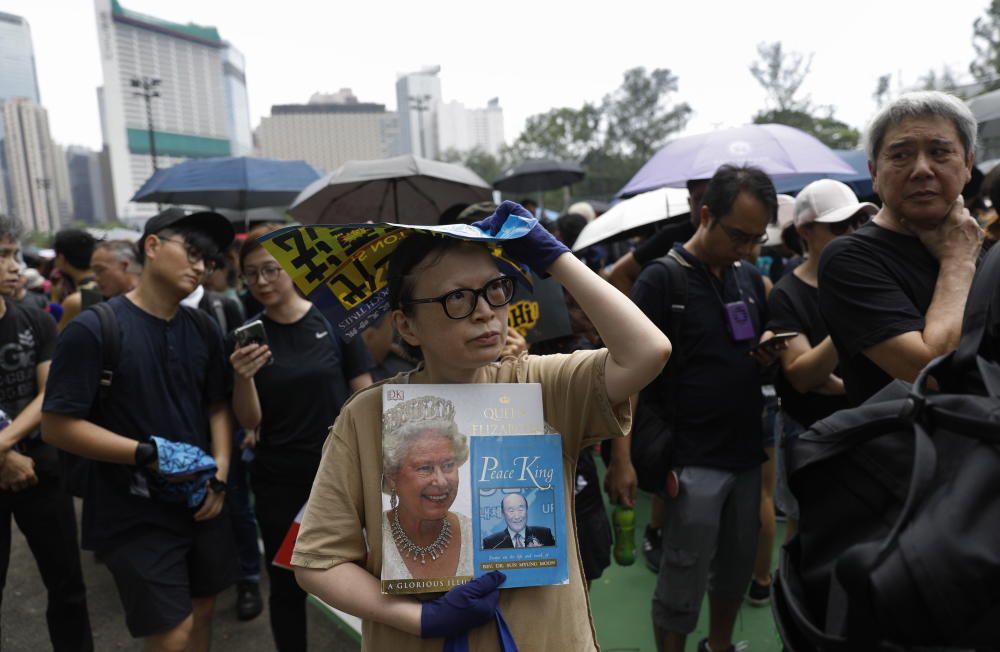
<point>252,333</point>
<point>777,339</point>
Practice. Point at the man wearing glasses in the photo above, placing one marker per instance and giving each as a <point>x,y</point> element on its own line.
<point>168,559</point>
<point>893,293</point>
<point>711,520</point>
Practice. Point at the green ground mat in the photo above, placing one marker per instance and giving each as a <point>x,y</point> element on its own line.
<point>621,597</point>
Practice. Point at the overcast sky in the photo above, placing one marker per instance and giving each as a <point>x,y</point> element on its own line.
<point>533,55</point>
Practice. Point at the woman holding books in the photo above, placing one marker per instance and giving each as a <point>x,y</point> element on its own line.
<point>445,305</point>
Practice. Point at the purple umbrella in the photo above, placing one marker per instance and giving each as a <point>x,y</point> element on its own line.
<point>776,149</point>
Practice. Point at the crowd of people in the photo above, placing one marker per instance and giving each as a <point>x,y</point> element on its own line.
<point>123,384</point>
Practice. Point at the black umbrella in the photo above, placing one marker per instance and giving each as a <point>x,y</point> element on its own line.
<point>539,175</point>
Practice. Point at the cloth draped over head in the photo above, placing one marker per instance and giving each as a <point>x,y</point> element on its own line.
<point>343,269</point>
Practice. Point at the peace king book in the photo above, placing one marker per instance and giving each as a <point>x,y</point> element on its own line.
<point>471,483</point>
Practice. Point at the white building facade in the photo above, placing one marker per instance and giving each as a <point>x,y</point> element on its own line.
<point>36,176</point>
<point>418,96</point>
<point>462,130</point>
<point>201,110</point>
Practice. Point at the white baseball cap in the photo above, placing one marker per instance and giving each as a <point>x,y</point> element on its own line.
<point>786,211</point>
<point>828,201</point>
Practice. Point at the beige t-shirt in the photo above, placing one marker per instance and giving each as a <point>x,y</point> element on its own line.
<point>346,498</point>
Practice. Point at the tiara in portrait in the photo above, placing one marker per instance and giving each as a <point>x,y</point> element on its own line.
<point>415,410</point>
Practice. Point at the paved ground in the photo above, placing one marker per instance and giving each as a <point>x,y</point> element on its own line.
<point>22,618</point>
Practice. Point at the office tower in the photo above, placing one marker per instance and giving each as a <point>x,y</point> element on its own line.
<point>87,185</point>
<point>197,98</point>
<point>329,130</point>
<point>462,130</point>
<point>17,79</point>
<point>36,170</point>
<point>418,95</point>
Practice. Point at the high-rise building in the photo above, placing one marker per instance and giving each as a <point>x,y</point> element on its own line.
<point>36,169</point>
<point>418,95</point>
<point>87,185</point>
<point>461,129</point>
<point>200,108</point>
<point>329,130</point>
<point>17,79</point>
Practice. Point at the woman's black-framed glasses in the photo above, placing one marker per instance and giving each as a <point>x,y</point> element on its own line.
<point>460,303</point>
<point>268,272</point>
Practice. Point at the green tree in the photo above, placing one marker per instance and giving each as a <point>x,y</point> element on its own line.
<point>563,133</point>
<point>781,74</point>
<point>985,68</point>
<point>483,163</point>
<point>881,93</point>
<point>637,115</point>
<point>945,80</point>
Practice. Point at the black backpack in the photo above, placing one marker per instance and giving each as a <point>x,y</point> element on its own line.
<point>75,470</point>
<point>899,535</point>
<point>652,425</point>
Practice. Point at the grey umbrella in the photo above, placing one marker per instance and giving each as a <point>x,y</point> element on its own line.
<point>538,175</point>
<point>406,189</point>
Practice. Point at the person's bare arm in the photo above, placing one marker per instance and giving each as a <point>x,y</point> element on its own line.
<point>361,381</point>
<point>87,439</point>
<point>352,589</point>
<point>246,362</point>
<point>808,368</point>
<point>955,243</point>
<point>620,482</point>
<point>30,417</point>
<point>638,349</point>
<point>71,306</point>
<point>624,272</point>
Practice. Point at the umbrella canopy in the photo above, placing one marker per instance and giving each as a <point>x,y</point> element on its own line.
<point>411,188</point>
<point>860,181</point>
<point>239,183</point>
<point>647,208</point>
<point>776,149</point>
<point>539,175</point>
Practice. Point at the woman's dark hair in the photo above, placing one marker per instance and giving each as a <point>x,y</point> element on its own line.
<point>251,243</point>
<point>569,227</point>
<point>730,181</point>
<point>791,239</point>
<point>416,248</point>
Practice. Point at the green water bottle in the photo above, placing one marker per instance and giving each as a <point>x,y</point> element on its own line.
<point>624,522</point>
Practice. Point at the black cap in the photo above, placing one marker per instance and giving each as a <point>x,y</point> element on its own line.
<point>216,226</point>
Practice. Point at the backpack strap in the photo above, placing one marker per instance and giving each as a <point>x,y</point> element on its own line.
<point>110,351</point>
<point>212,304</point>
<point>203,319</point>
<point>678,297</point>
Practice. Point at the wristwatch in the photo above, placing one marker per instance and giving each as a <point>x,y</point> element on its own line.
<point>217,485</point>
<point>146,454</point>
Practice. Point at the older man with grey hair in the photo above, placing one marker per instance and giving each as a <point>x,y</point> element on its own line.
<point>116,267</point>
<point>893,292</point>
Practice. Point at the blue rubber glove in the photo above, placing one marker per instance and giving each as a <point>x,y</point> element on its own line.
<point>538,249</point>
<point>463,608</point>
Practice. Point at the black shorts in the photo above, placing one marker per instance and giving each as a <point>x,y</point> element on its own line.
<point>159,571</point>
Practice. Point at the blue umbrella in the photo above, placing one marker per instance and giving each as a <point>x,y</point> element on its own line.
<point>860,181</point>
<point>776,149</point>
<point>239,183</point>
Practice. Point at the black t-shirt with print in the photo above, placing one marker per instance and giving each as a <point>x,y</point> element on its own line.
<point>302,391</point>
<point>794,307</point>
<point>27,339</point>
<point>874,284</point>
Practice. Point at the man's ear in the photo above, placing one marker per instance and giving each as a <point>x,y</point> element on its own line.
<point>403,324</point>
<point>150,244</point>
<point>872,173</point>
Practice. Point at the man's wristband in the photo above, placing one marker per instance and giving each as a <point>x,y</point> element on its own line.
<point>216,485</point>
<point>146,454</point>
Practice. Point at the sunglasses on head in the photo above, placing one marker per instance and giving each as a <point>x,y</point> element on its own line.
<point>852,223</point>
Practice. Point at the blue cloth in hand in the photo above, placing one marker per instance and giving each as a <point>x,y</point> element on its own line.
<point>462,608</point>
<point>177,459</point>
<point>537,249</point>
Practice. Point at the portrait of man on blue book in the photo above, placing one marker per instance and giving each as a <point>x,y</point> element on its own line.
<point>517,530</point>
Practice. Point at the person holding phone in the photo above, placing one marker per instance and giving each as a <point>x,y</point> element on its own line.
<point>809,384</point>
<point>291,377</point>
<point>893,293</point>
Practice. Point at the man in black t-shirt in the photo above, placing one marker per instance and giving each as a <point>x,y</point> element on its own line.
<point>893,293</point>
<point>168,560</point>
<point>30,487</point>
<point>711,525</point>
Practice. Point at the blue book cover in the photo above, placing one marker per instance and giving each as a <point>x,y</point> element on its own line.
<point>519,522</point>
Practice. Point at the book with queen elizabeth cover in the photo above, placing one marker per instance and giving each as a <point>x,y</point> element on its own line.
<point>472,482</point>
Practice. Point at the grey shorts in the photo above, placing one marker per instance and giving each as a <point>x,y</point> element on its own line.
<point>709,542</point>
<point>783,497</point>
